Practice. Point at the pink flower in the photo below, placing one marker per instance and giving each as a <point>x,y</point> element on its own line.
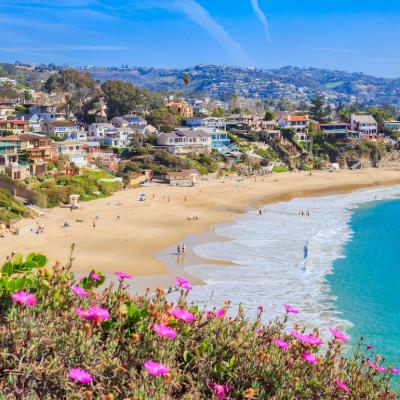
<point>122,275</point>
<point>155,369</point>
<point>395,371</point>
<point>376,367</point>
<point>183,283</point>
<point>281,343</point>
<point>219,390</point>
<point>306,339</point>
<point>339,335</point>
<point>94,313</point>
<point>79,375</point>
<point>24,298</point>
<point>182,315</point>
<point>369,347</point>
<point>79,291</point>
<point>165,331</point>
<point>342,386</point>
<point>310,358</point>
<point>95,277</point>
<point>290,309</point>
<point>220,313</point>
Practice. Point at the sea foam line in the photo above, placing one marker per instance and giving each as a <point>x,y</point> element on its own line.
<point>267,253</point>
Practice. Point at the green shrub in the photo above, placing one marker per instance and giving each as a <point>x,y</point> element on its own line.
<point>280,168</point>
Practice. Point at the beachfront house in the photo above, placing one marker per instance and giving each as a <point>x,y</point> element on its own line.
<point>185,178</point>
<point>10,163</point>
<point>299,123</point>
<point>185,141</point>
<point>73,150</point>
<point>364,123</point>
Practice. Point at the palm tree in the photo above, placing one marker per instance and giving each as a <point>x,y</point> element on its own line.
<point>186,81</point>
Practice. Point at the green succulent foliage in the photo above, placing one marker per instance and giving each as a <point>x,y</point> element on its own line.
<point>89,283</point>
<point>18,274</point>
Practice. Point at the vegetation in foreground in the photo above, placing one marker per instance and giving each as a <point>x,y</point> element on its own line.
<point>63,336</point>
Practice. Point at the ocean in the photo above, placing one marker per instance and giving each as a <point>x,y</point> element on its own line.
<point>339,265</point>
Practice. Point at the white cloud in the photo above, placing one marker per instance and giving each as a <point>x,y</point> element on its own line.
<point>262,17</point>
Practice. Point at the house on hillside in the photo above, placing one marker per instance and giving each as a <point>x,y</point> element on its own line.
<point>364,123</point>
<point>208,122</point>
<point>299,123</point>
<point>34,121</point>
<point>6,111</point>
<point>14,126</point>
<point>73,150</point>
<point>183,142</point>
<point>119,122</point>
<point>394,125</point>
<point>10,163</point>
<point>64,129</point>
<point>180,107</point>
<point>134,120</point>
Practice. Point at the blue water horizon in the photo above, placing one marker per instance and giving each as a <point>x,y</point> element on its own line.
<point>366,281</point>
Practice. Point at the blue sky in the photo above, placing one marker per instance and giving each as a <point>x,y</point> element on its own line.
<point>353,35</point>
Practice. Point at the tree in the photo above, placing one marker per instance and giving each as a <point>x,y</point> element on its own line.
<point>318,110</point>
<point>380,115</point>
<point>218,112</point>
<point>186,81</point>
<point>78,87</point>
<point>163,119</point>
<point>269,115</point>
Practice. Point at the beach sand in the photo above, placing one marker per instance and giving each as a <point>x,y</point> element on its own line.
<point>145,230</point>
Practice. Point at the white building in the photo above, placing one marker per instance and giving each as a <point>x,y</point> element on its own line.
<point>183,142</point>
<point>364,123</point>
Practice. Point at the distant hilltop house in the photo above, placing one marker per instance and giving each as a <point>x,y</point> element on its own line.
<point>119,122</point>
<point>364,123</point>
<point>180,107</point>
<point>13,126</point>
<point>134,120</point>
<point>6,111</point>
<point>299,123</point>
<point>6,80</point>
<point>183,142</point>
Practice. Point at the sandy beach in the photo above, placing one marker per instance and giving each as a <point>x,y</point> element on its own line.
<point>129,234</point>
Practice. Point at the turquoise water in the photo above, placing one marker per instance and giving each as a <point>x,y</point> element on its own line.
<point>367,281</point>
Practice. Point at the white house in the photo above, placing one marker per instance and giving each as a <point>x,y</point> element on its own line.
<point>98,130</point>
<point>74,150</point>
<point>364,123</point>
<point>183,142</point>
<point>118,138</point>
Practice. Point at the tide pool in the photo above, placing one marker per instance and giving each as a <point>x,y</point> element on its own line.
<point>366,281</point>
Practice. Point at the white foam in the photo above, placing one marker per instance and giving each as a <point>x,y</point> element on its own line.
<point>268,256</point>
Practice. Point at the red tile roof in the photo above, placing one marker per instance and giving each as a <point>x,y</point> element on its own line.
<point>295,118</point>
<point>13,121</point>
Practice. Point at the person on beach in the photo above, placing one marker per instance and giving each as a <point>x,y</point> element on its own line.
<point>118,218</point>
<point>94,224</point>
<point>183,248</point>
<point>179,249</point>
<point>260,212</point>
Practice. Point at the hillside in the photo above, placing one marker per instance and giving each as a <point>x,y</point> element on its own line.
<point>286,82</point>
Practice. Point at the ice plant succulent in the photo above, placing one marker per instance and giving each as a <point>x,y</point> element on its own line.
<point>220,391</point>
<point>342,386</point>
<point>123,276</point>
<point>376,367</point>
<point>80,375</point>
<point>289,309</point>
<point>182,315</point>
<point>281,343</point>
<point>183,283</point>
<point>93,313</point>
<point>165,331</point>
<point>155,369</point>
<point>339,335</point>
<point>310,358</point>
<point>95,276</point>
<point>79,291</point>
<point>309,340</point>
<point>23,297</point>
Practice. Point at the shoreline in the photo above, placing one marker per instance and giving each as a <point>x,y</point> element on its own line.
<point>142,242</point>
